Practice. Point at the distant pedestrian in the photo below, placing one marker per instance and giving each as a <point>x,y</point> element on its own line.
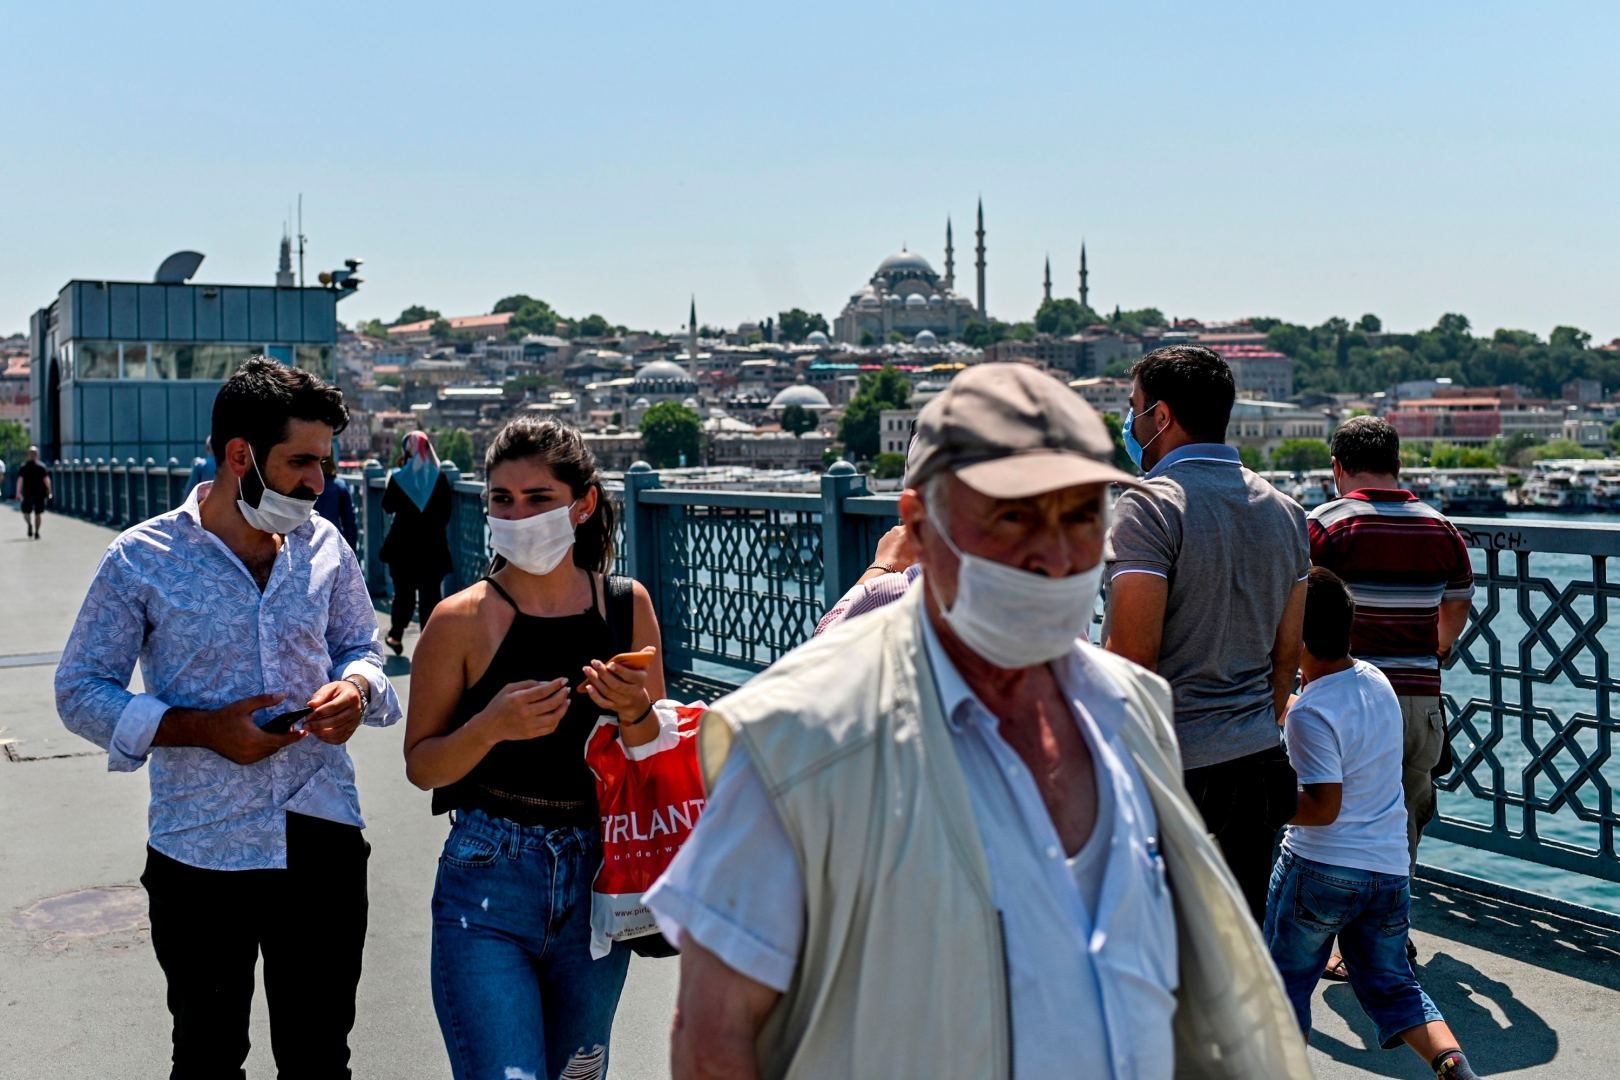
<point>336,504</point>
<point>499,718</point>
<point>1343,869</point>
<point>893,570</point>
<point>1408,568</point>
<point>417,548</point>
<point>1206,586</point>
<point>242,607</point>
<point>4,494</point>
<point>33,490</point>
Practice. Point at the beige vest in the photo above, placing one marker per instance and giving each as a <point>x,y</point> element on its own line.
<point>902,970</point>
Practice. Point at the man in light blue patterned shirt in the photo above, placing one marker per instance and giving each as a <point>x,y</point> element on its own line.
<point>240,606</point>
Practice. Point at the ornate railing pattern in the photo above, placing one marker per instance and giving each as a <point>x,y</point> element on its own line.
<point>738,579</point>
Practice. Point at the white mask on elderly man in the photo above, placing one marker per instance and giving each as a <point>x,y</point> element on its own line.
<point>1014,618</point>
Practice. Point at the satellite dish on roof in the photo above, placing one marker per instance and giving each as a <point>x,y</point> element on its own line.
<point>178,268</point>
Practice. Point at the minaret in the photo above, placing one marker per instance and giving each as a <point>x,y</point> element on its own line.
<point>691,340</point>
<point>1085,289</point>
<point>982,316</point>
<point>950,258</point>
<point>1049,279</point>
<point>284,271</point>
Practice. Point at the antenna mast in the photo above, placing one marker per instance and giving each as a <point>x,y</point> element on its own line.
<point>301,239</point>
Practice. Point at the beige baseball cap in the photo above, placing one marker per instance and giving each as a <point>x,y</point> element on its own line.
<point>1011,432</point>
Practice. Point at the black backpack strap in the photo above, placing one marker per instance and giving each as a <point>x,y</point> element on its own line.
<point>620,601</point>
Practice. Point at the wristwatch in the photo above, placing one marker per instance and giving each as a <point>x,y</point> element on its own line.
<point>359,682</point>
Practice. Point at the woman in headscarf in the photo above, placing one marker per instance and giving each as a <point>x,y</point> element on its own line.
<point>416,549</point>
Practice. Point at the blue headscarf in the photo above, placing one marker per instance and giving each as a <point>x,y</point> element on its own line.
<point>421,469</point>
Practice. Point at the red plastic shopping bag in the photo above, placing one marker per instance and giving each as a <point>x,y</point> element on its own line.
<point>650,797</point>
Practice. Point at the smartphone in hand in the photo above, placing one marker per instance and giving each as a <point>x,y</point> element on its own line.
<point>280,725</point>
<point>640,661</point>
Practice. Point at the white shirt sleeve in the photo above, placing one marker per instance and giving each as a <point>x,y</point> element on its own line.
<point>1313,747</point>
<point>736,887</point>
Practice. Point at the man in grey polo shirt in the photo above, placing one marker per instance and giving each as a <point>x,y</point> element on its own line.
<point>1206,588</point>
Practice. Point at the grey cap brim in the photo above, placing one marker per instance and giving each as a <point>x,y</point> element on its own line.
<point>1036,472</point>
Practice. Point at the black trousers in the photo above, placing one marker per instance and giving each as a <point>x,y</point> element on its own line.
<point>309,922</point>
<point>1244,802</point>
<point>410,596</point>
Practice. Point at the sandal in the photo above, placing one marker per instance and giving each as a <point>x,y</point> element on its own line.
<point>1335,970</point>
<point>396,644</point>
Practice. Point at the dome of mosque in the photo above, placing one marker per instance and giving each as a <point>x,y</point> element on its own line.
<point>662,371</point>
<point>692,403</point>
<point>936,299</point>
<point>803,395</point>
<point>916,300</point>
<point>816,337</point>
<point>925,339</point>
<point>904,263</point>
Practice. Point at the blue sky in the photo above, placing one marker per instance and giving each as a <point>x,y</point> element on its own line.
<point>1221,160</point>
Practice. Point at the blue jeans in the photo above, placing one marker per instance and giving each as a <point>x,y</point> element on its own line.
<point>1310,904</point>
<point>514,985</point>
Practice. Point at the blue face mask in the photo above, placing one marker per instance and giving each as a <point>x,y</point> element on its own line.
<point>1132,447</point>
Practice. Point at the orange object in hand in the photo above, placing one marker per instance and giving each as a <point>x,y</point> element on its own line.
<point>640,661</point>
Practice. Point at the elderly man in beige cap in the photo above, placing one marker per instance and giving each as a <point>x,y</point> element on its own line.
<point>949,838</point>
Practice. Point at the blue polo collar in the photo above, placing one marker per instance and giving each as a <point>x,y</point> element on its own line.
<point>1219,453</point>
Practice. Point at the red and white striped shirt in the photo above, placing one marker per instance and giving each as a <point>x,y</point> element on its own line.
<point>1401,558</point>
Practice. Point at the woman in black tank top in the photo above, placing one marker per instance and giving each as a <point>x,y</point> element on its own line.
<point>508,680</point>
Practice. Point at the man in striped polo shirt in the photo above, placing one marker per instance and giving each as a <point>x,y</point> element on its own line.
<point>1408,569</point>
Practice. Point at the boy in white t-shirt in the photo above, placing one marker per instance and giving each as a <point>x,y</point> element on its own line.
<point>1343,870</point>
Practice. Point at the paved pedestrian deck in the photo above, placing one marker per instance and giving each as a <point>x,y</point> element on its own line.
<point>81,995</point>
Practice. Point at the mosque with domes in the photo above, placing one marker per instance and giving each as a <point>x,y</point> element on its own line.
<point>906,296</point>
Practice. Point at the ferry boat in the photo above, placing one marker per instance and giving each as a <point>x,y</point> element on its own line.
<point>1471,491</point>
<point>1570,485</point>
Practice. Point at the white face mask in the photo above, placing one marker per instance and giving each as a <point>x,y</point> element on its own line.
<point>276,513</point>
<point>535,545</point>
<point>1013,618</point>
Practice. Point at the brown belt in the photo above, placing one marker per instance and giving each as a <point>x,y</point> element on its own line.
<point>526,800</point>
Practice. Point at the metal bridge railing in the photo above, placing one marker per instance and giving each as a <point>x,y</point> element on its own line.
<point>739,579</point>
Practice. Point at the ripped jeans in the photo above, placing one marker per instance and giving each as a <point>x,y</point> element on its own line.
<point>517,993</point>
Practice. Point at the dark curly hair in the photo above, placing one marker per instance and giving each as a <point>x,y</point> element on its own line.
<point>262,396</point>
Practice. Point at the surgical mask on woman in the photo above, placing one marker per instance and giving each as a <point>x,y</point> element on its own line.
<point>276,513</point>
<point>1014,618</point>
<point>536,545</point>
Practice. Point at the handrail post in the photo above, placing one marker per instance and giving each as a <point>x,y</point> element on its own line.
<point>371,506</point>
<point>458,577</point>
<point>640,549</point>
<point>174,486</point>
<point>842,554</point>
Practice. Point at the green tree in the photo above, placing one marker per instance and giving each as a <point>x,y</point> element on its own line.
<point>1614,435</point>
<point>1559,448</point>
<point>867,339</point>
<point>1134,322</point>
<point>13,443</point>
<point>1064,317</point>
<point>1369,323</point>
<point>1516,449</point>
<point>1447,456</point>
<point>672,435</point>
<point>889,466</point>
<point>388,379</point>
<point>416,313</point>
<point>529,316</point>
<point>797,419</point>
<point>1568,337</point>
<point>593,326</point>
<point>859,429</point>
<point>796,325</point>
<point>441,330</point>
<point>1298,455</point>
<point>454,447</point>
<point>896,338</point>
<point>1252,458</point>
<point>373,328</point>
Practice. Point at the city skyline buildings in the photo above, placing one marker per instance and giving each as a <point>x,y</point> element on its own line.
<point>1406,162</point>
